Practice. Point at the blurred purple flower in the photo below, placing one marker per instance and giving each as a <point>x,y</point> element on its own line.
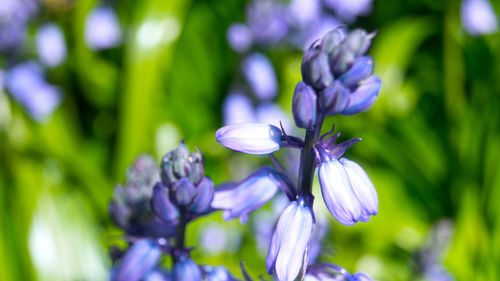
<point>140,259</point>
<point>50,45</point>
<point>316,31</point>
<point>239,37</point>
<point>102,29</point>
<point>14,17</point>
<point>332,272</point>
<point>271,113</point>
<point>216,273</point>
<point>27,85</point>
<point>303,12</point>
<point>259,72</point>
<point>348,10</point>
<point>478,17</point>
<point>238,108</point>
<point>267,21</point>
<point>185,269</point>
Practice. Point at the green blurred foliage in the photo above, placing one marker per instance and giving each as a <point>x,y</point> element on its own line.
<point>431,143</point>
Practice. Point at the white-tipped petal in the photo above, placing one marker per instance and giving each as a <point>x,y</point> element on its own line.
<point>337,192</point>
<point>362,187</point>
<point>250,138</point>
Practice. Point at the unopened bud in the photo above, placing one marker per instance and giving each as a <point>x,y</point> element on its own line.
<point>334,99</point>
<point>304,106</point>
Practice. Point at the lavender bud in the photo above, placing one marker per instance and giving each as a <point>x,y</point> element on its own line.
<point>184,191</point>
<point>180,163</point>
<point>304,106</point>
<point>338,193</point>
<point>358,42</point>
<point>315,68</point>
<point>364,96</point>
<point>238,200</point>
<point>363,188</point>
<point>204,196</point>
<point>332,40</point>
<point>360,70</point>
<point>161,205</point>
<point>186,270</point>
<point>250,138</point>
<point>141,258</point>
<point>334,99</point>
<point>290,240</point>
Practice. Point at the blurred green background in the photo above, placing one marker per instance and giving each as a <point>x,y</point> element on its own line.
<point>431,143</point>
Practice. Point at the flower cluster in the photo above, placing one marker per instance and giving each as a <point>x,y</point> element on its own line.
<point>154,208</point>
<point>337,79</point>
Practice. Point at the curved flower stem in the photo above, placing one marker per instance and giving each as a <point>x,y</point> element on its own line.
<point>307,156</point>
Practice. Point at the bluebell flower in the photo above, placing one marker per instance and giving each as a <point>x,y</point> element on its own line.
<point>139,260</point>
<point>161,205</point>
<point>478,17</point>
<point>203,196</point>
<point>28,87</point>
<point>348,10</point>
<point>259,73</point>
<point>14,17</point>
<point>50,45</point>
<point>238,200</point>
<point>250,138</point>
<point>238,108</point>
<point>180,163</point>
<point>185,269</point>
<point>347,190</point>
<point>158,275</point>
<point>272,113</point>
<point>102,29</point>
<point>239,37</point>
<point>364,96</point>
<point>290,241</point>
<point>303,12</point>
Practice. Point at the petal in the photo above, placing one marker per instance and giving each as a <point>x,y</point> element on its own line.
<point>250,138</point>
<point>184,191</point>
<point>362,187</point>
<point>204,196</point>
<point>278,235</point>
<point>364,96</point>
<point>294,244</point>
<point>359,277</point>
<point>337,192</point>
<point>249,195</point>
<point>360,70</point>
<point>161,205</point>
<point>141,258</point>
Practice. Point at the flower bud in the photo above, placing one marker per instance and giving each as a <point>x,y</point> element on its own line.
<point>304,106</point>
<point>360,70</point>
<point>250,138</point>
<point>180,163</point>
<point>358,42</point>
<point>217,273</point>
<point>184,191</point>
<point>364,96</point>
<point>204,196</point>
<point>332,40</point>
<point>259,73</point>
<point>315,68</point>
<point>334,99</point>
<point>239,200</point>
<point>359,277</point>
<point>290,240</point>
<point>141,258</point>
<point>162,206</point>
<point>186,270</point>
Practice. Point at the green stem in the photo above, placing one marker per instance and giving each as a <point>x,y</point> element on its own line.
<point>307,156</point>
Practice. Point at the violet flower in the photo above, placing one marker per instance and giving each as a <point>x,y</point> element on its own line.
<point>259,73</point>
<point>239,37</point>
<point>250,138</point>
<point>478,17</point>
<point>102,29</point>
<point>238,200</point>
<point>50,45</point>
<point>332,272</point>
<point>290,241</point>
<point>238,108</point>
<point>348,10</point>
<point>186,269</point>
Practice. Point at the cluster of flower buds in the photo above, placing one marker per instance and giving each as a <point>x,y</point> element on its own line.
<point>183,186</point>
<point>338,78</point>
